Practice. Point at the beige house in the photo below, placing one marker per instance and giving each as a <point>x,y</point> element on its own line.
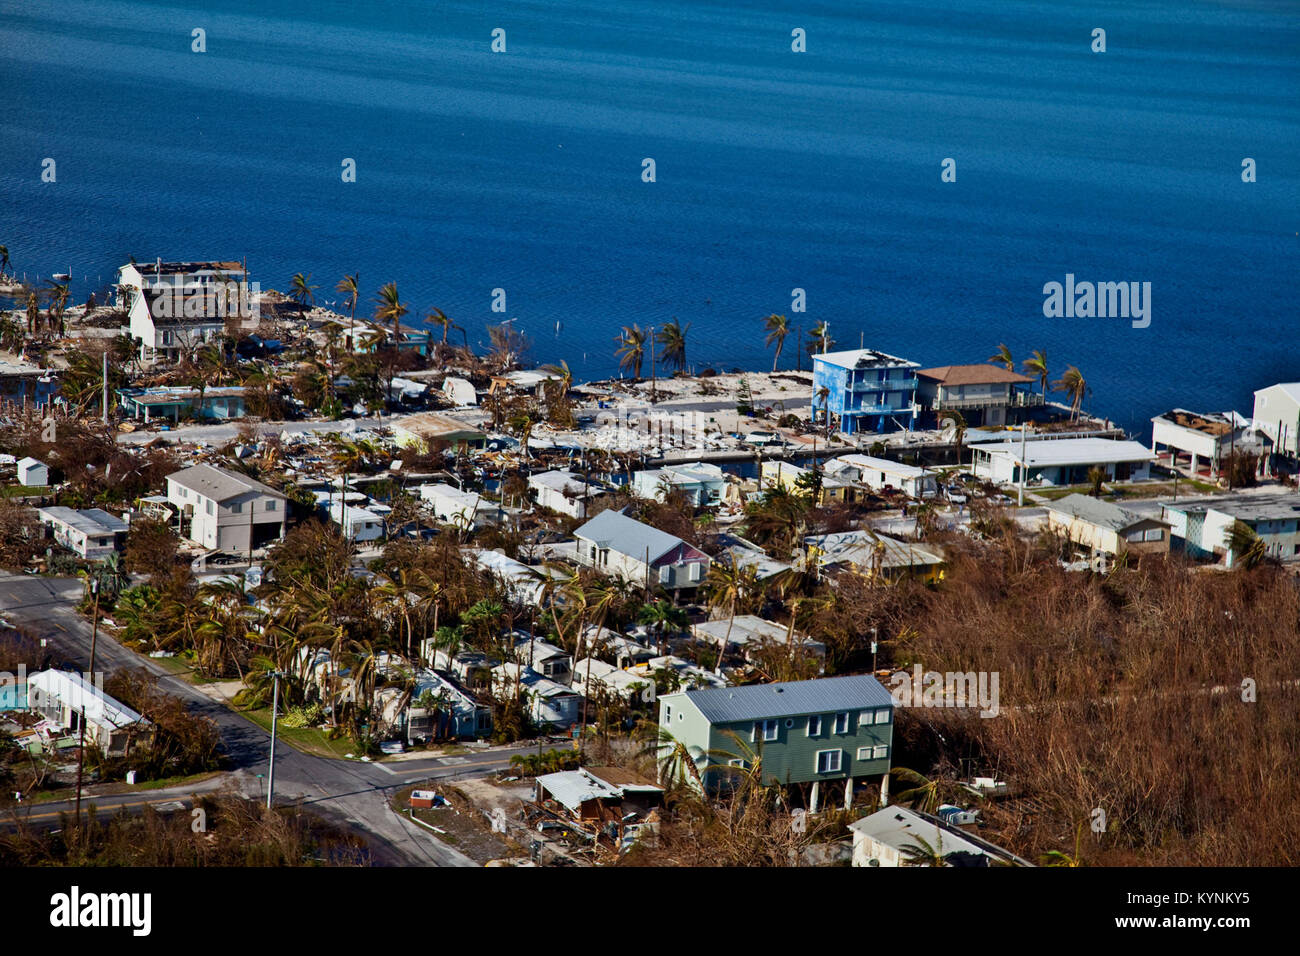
<point>227,510</point>
<point>1106,528</point>
<point>423,429</point>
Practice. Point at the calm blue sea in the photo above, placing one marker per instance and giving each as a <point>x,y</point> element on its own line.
<point>775,170</point>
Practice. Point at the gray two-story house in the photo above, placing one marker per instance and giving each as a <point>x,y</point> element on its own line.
<point>812,731</point>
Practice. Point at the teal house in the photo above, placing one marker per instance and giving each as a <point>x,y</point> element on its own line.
<point>824,731</point>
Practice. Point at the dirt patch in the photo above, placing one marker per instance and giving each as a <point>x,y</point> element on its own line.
<point>462,824</point>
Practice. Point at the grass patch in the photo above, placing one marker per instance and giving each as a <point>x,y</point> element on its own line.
<point>309,740</point>
<point>24,491</point>
<point>1127,492</point>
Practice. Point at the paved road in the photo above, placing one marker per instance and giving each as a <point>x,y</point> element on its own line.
<point>352,792</point>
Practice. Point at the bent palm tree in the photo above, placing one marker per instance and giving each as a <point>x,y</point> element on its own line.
<point>1072,383</point>
<point>672,337</point>
<point>778,327</point>
<point>389,307</point>
<point>1036,365</point>
<point>819,338</point>
<point>302,291</point>
<point>631,351</point>
<point>1246,548</point>
<point>349,288</point>
<point>1004,358</point>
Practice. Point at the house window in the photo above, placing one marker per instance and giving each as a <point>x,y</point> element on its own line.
<point>737,763</point>
<point>768,728</point>
<point>880,752</point>
<point>882,716</point>
<point>1154,534</point>
<point>211,509</point>
<point>236,508</point>
<point>270,505</point>
<point>842,723</point>
<point>668,713</point>
<point>864,753</point>
<point>814,725</point>
<point>828,761</point>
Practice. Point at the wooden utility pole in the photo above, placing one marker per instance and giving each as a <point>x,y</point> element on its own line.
<point>81,748</point>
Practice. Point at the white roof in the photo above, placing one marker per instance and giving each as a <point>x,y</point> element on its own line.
<point>859,547</point>
<point>1292,390</point>
<point>1046,453</point>
<point>747,628</point>
<point>877,464</point>
<point>90,521</point>
<point>28,462</point>
<point>76,692</point>
<point>899,827</point>
<point>573,788</point>
<point>869,357</point>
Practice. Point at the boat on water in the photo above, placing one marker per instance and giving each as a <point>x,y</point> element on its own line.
<point>61,276</point>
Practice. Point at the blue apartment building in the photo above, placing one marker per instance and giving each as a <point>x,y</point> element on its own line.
<point>869,391</point>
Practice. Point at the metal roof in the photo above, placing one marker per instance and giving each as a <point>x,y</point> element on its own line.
<point>1283,506</point>
<point>90,521</point>
<point>573,788</point>
<point>1071,451</point>
<point>859,548</point>
<point>899,827</point>
<point>1103,514</point>
<point>219,484</point>
<point>74,691</point>
<point>614,530</point>
<point>725,705</point>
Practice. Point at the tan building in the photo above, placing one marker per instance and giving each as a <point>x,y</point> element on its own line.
<point>424,429</point>
<point>1107,528</point>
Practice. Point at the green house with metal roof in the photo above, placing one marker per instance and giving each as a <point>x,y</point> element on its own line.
<point>810,731</point>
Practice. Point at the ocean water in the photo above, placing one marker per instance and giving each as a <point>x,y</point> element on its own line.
<point>775,170</point>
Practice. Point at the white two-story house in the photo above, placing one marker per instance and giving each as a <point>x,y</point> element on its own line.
<point>173,308</point>
<point>226,510</point>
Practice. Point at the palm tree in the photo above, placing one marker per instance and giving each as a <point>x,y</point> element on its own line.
<point>389,307</point>
<point>1246,548</point>
<point>958,428</point>
<point>730,584</point>
<point>778,327</point>
<point>349,288</point>
<point>823,399</point>
<point>439,318</point>
<point>924,794</point>
<point>557,393</point>
<point>1097,476</point>
<point>523,424</point>
<point>660,616</point>
<point>672,337</point>
<point>920,853</point>
<point>1003,357</point>
<point>302,291</point>
<point>632,347</point>
<point>1072,383</point>
<point>819,338</point>
<point>1036,365</point>
<point>33,312</point>
<point>4,259</point>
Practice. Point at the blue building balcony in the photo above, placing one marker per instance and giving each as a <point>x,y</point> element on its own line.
<point>892,385</point>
